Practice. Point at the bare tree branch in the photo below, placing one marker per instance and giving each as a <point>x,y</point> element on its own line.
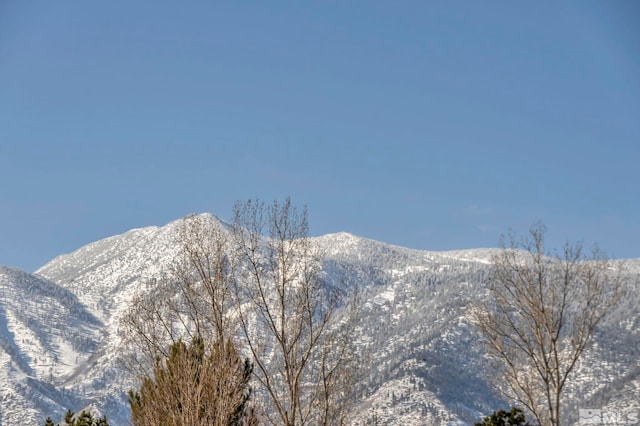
<point>540,317</point>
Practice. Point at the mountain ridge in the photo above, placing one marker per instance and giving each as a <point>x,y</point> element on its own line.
<point>426,363</point>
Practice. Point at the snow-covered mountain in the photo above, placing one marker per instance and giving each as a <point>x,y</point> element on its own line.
<point>60,336</point>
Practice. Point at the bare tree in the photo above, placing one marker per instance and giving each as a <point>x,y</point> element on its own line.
<point>205,382</point>
<point>260,284</point>
<point>205,276</point>
<point>541,315</point>
<point>301,357</point>
<point>191,300</point>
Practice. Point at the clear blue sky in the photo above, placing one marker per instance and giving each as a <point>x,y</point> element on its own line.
<point>429,124</point>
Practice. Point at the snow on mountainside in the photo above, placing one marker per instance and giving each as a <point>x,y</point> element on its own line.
<point>107,273</point>
<point>46,337</point>
<point>60,341</point>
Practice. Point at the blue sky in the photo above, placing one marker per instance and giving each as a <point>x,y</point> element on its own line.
<point>432,125</point>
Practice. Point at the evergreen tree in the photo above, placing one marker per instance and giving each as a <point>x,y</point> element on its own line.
<point>196,387</point>
<point>68,418</point>
<point>85,418</point>
<point>102,421</point>
<point>515,417</point>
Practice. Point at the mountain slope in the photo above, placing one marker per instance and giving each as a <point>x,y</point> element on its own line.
<point>46,336</point>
